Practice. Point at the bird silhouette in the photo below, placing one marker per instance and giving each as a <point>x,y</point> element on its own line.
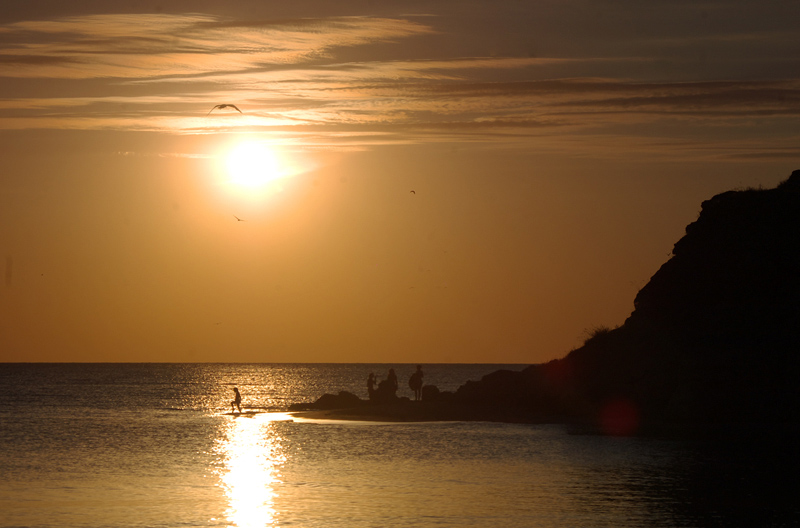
<point>413,192</point>
<point>238,219</point>
<point>223,106</point>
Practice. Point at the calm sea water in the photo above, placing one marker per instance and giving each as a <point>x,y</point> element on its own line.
<point>151,445</point>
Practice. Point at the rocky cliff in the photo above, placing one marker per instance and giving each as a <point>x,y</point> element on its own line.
<point>714,336</point>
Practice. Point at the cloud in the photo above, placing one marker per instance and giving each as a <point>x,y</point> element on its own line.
<point>148,46</point>
<point>297,78</point>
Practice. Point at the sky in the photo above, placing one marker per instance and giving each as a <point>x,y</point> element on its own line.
<point>463,181</point>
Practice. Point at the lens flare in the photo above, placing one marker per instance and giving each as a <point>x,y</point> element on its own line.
<point>619,417</point>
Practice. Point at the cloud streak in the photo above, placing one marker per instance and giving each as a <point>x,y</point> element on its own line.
<point>152,46</point>
<point>163,73</point>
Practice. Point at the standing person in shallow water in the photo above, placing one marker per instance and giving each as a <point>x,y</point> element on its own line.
<point>371,386</point>
<point>387,389</point>
<point>392,381</point>
<point>237,401</point>
<point>416,383</point>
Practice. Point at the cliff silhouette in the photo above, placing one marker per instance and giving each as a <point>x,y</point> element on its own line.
<point>714,337</point>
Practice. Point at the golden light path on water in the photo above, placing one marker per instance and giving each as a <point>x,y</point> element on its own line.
<point>251,455</point>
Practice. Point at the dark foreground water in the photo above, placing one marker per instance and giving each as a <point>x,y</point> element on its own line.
<point>152,445</point>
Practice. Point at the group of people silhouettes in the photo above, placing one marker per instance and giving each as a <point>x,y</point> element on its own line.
<point>381,392</point>
<point>386,390</point>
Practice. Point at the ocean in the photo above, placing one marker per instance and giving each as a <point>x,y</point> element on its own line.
<point>154,445</point>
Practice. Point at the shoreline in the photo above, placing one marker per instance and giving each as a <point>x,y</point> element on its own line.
<point>418,411</point>
<point>405,411</point>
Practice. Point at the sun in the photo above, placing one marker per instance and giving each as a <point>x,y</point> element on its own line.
<point>254,169</point>
<point>252,166</point>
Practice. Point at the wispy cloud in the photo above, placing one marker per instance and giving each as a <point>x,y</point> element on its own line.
<point>151,46</point>
<point>291,77</point>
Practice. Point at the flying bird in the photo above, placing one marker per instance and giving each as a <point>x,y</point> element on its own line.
<point>238,219</point>
<point>223,106</point>
<point>413,192</point>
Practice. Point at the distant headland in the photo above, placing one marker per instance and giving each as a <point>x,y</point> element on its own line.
<point>714,338</point>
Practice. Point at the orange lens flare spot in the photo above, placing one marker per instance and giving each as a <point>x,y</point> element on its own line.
<point>619,417</point>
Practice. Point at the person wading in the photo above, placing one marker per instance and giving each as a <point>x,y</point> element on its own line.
<point>237,401</point>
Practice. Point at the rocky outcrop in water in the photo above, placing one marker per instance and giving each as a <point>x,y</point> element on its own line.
<point>343,400</point>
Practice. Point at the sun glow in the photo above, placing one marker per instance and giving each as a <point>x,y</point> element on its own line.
<point>253,166</point>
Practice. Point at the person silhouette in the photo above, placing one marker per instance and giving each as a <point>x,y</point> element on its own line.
<point>371,381</point>
<point>392,382</point>
<point>415,382</point>
<point>237,401</point>
<point>387,389</point>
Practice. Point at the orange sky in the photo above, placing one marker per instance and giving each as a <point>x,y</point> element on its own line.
<point>556,151</point>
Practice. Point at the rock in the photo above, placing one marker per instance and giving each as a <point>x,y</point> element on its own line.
<point>343,400</point>
<point>714,336</point>
<point>430,393</point>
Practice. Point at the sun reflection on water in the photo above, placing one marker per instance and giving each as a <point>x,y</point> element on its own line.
<point>251,456</point>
